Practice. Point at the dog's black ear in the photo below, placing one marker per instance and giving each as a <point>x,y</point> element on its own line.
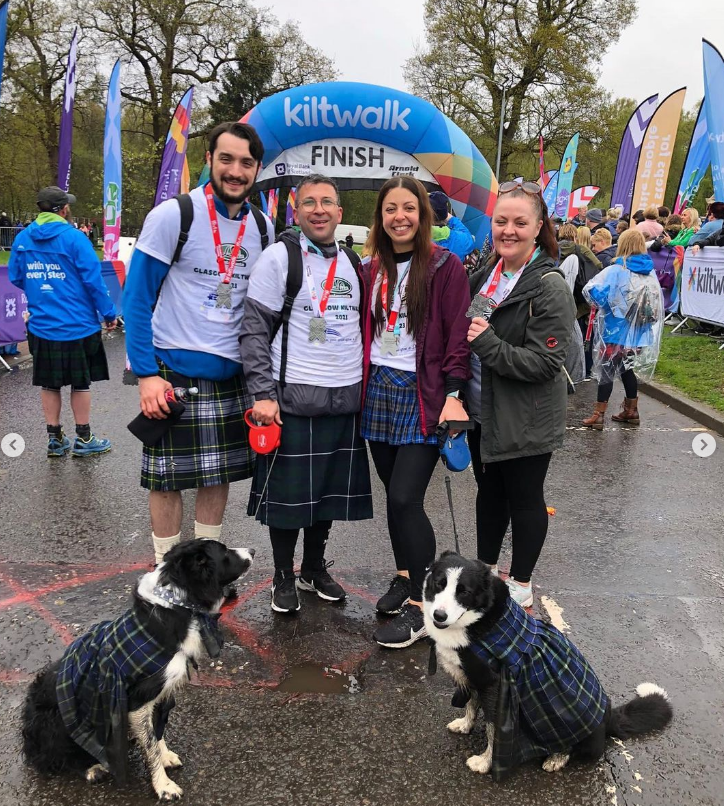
<point>448,553</point>
<point>481,566</point>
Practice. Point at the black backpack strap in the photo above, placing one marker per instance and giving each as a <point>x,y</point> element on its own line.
<point>261,223</point>
<point>294,283</point>
<point>187,219</point>
<point>354,258</point>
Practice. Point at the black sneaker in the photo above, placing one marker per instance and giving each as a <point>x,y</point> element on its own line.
<point>321,583</point>
<point>284,592</point>
<point>396,597</point>
<point>403,630</point>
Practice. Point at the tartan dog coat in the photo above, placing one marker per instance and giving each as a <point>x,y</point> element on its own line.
<point>96,673</point>
<point>549,698</point>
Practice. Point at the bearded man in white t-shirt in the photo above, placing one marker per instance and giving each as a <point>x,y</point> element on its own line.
<point>306,375</point>
<point>183,315</point>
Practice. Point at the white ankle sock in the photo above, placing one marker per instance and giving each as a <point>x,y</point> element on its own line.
<point>162,544</point>
<point>207,532</point>
<point>494,570</point>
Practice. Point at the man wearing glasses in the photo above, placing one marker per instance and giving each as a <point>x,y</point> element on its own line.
<point>301,346</point>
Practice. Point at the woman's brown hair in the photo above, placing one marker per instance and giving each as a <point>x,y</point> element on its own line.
<point>381,248</point>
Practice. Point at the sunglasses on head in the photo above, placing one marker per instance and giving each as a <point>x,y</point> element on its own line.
<point>527,187</point>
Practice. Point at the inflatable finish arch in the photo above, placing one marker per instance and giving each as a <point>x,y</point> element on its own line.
<point>362,135</point>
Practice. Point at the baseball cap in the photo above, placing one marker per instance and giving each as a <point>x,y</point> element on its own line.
<point>438,202</point>
<point>595,215</point>
<point>55,197</point>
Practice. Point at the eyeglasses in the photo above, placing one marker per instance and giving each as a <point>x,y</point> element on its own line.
<point>531,188</point>
<point>311,204</point>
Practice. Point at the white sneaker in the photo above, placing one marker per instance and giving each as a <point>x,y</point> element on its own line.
<point>521,594</point>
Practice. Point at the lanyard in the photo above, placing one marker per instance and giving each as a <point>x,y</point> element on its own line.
<point>489,289</point>
<point>396,300</point>
<point>227,272</point>
<point>320,306</point>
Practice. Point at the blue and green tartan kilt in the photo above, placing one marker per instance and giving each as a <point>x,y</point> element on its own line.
<point>320,473</point>
<point>209,445</point>
<point>391,410</point>
<point>68,363</point>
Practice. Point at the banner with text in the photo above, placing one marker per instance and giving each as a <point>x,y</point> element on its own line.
<point>565,176</point>
<point>65,144</point>
<point>652,171</point>
<point>13,304</point>
<point>702,285</point>
<point>112,169</point>
<point>697,161</point>
<point>581,197</point>
<point>713,90</point>
<point>550,192</point>
<point>174,152</point>
<point>3,33</point>
<point>628,153</point>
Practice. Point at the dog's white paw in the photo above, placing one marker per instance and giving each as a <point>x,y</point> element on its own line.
<point>481,764</point>
<point>96,773</point>
<point>171,761</point>
<point>462,725</point>
<point>169,791</point>
<point>555,762</point>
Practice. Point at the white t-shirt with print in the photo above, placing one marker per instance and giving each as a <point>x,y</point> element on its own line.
<point>186,316</point>
<point>406,356</point>
<point>335,362</point>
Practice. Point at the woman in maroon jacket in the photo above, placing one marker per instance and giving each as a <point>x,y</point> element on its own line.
<point>416,363</point>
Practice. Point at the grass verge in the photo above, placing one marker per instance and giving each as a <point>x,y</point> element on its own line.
<point>693,365</point>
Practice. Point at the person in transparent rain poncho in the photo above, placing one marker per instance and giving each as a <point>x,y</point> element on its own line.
<point>629,324</point>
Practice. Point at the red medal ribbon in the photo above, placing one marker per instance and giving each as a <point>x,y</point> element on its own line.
<point>395,312</point>
<point>227,272</point>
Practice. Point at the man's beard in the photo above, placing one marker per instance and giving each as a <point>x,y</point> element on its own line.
<point>227,198</point>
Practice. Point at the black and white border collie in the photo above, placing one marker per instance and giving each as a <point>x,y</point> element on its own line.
<point>175,605</point>
<point>462,602</point>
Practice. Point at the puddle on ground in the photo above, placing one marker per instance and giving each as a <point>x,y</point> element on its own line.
<point>309,678</point>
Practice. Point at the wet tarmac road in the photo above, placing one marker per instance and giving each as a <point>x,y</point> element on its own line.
<point>633,565</point>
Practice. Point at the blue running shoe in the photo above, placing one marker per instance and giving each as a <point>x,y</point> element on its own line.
<point>58,447</point>
<point>83,447</point>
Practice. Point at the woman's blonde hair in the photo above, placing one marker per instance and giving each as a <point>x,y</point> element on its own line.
<point>651,212</point>
<point>694,215</point>
<point>583,237</point>
<point>631,242</point>
<point>567,232</point>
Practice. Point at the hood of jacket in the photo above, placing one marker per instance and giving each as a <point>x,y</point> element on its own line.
<point>440,233</point>
<point>641,264</point>
<point>46,226</point>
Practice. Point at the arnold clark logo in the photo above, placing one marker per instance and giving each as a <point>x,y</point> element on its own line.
<point>317,112</point>
<point>340,287</point>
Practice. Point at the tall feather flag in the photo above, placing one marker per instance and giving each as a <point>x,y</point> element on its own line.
<point>273,203</point>
<point>550,192</point>
<point>174,152</point>
<point>3,32</point>
<point>697,162</point>
<point>713,90</point>
<point>657,149</point>
<point>581,197</point>
<point>263,202</point>
<point>65,144</point>
<point>112,170</point>
<point>291,204</point>
<point>628,153</point>
<point>565,176</point>
<point>541,163</point>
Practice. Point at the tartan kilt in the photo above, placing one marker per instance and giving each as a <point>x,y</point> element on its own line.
<point>391,411</point>
<point>209,445</point>
<point>68,363</point>
<point>320,473</point>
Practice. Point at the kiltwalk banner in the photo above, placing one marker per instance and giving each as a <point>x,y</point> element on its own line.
<point>652,171</point>
<point>565,176</point>
<point>702,285</point>
<point>713,90</point>
<point>628,153</point>
<point>65,145</point>
<point>13,304</point>
<point>697,162</point>
<point>112,168</point>
<point>174,152</point>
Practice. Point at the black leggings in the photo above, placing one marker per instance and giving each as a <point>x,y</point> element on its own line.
<point>406,470</point>
<point>510,491</point>
<point>284,541</point>
<point>609,370</point>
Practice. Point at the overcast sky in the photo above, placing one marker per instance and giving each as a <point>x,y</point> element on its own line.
<point>369,40</point>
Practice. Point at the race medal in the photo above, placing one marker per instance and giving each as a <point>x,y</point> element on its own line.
<point>318,329</point>
<point>223,295</point>
<point>480,307</point>
<point>388,344</point>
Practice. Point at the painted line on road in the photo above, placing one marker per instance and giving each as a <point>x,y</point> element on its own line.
<point>65,635</point>
<point>555,613</point>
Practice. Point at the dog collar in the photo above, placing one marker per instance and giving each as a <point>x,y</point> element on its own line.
<point>208,622</point>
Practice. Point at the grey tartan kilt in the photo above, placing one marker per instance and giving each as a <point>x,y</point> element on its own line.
<point>320,472</point>
<point>209,445</point>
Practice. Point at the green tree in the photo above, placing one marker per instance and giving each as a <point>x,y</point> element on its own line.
<point>543,52</point>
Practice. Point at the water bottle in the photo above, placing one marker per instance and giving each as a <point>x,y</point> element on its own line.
<point>181,394</point>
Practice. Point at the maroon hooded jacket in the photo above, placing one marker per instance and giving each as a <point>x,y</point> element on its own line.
<point>443,355</point>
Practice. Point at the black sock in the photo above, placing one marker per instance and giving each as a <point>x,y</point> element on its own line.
<point>55,431</point>
<point>83,431</point>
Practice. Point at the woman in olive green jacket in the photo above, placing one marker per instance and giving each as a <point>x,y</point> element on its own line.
<point>522,316</point>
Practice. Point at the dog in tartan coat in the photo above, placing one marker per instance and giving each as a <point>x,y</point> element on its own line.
<point>119,679</point>
<point>540,697</point>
